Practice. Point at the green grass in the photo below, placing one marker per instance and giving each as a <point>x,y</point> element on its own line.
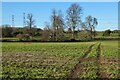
<point>10,39</point>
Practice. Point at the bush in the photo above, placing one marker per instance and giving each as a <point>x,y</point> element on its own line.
<point>23,37</point>
<point>107,33</point>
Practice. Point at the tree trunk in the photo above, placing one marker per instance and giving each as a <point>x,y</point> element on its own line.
<point>91,33</point>
<point>73,36</point>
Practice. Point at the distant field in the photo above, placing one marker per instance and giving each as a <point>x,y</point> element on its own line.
<point>60,60</point>
<point>112,35</point>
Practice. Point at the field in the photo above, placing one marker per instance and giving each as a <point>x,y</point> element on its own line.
<point>60,60</point>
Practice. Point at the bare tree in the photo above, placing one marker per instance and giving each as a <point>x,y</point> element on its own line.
<point>73,17</point>
<point>54,25</point>
<point>60,27</point>
<point>47,33</point>
<point>30,23</point>
<point>91,22</point>
<point>83,26</point>
<point>57,24</point>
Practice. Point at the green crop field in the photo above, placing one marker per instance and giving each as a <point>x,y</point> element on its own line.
<point>60,60</point>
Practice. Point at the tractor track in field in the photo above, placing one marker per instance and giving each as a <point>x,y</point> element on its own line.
<point>74,72</point>
<point>100,74</point>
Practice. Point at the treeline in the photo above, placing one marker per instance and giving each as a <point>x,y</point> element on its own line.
<point>58,29</point>
<point>20,33</point>
<point>44,35</point>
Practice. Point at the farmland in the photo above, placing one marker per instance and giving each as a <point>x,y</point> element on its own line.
<point>98,59</point>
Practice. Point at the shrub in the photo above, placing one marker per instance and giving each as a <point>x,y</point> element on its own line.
<point>107,33</point>
<point>23,37</point>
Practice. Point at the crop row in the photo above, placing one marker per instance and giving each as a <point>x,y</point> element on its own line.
<point>35,60</point>
<point>55,60</point>
<point>89,65</point>
<point>107,67</point>
<point>110,60</point>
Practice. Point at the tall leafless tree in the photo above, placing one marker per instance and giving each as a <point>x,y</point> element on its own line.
<point>57,24</point>
<point>91,23</point>
<point>30,23</point>
<point>73,17</point>
<point>53,20</point>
